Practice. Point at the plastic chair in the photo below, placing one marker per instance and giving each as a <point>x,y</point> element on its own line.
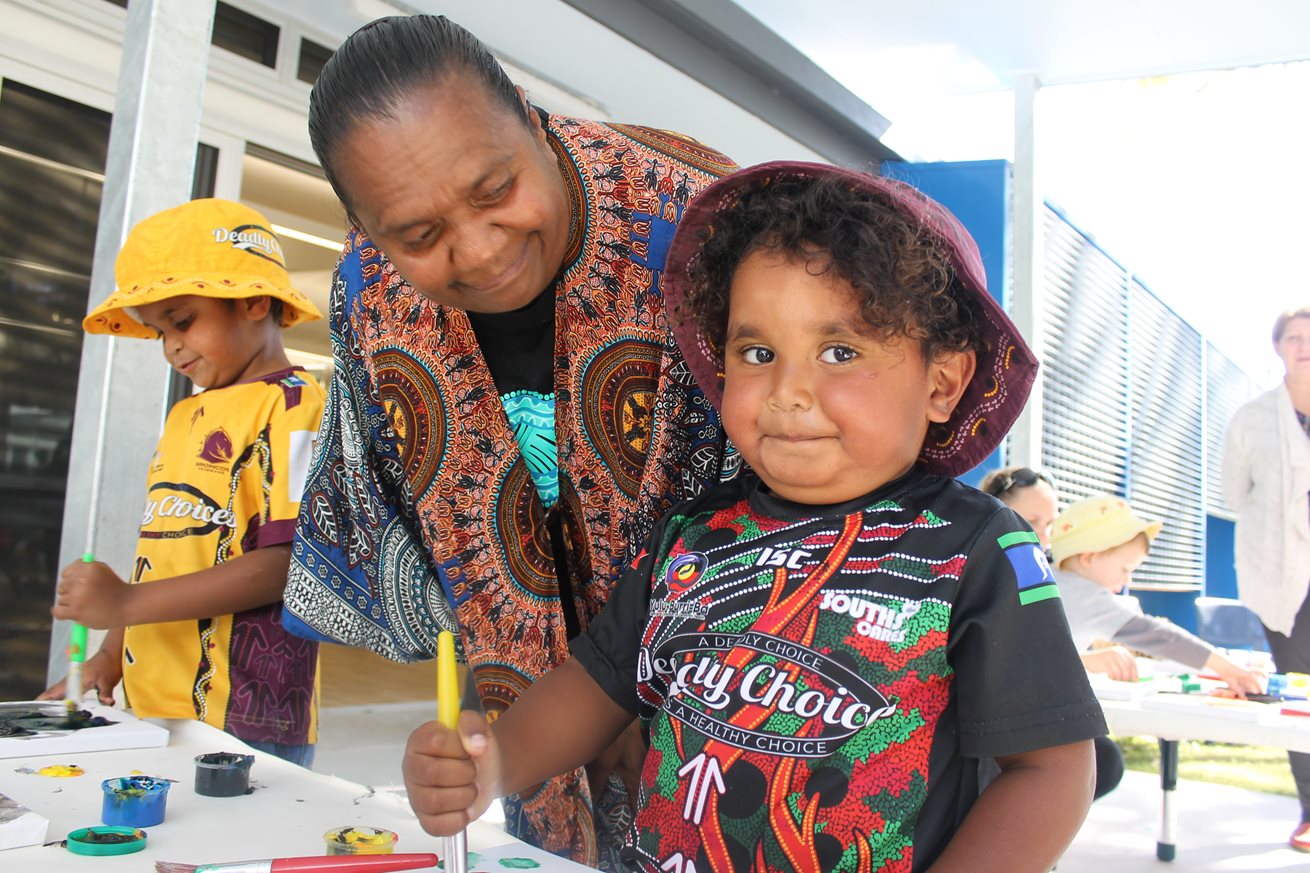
<point>1221,621</point>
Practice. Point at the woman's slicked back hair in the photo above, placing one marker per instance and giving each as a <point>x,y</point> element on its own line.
<point>385,62</point>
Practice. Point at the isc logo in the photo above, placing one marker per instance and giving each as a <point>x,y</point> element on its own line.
<point>791,559</point>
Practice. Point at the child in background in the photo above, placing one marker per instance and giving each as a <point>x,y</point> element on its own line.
<point>196,632</point>
<point>1096,545</point>
<point>817,654</point>
<point>1032,494</point>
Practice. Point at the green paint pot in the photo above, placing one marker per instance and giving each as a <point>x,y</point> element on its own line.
<point>109,840</point>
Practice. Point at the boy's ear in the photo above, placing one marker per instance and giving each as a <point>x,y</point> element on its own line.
<point>256,308</point>
<point>948,376</point>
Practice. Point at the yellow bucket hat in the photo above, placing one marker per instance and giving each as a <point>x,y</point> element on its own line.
<point>210,247</point>
<point>1096,525</point>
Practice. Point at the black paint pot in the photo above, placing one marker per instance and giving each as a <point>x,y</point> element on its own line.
<point>223,774</point>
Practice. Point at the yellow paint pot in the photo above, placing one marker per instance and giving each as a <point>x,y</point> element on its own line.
<point>360,840</point>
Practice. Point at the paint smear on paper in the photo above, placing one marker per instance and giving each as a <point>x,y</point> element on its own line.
<point>61,771</point>
<point>519,863</point>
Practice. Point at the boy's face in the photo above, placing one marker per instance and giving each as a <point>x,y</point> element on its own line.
<point>820,410</point>
<point>214,343</point>
<point>1113,569</point>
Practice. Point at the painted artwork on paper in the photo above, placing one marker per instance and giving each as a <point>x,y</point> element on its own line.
<point>19,826</point>
<point>29,728</point>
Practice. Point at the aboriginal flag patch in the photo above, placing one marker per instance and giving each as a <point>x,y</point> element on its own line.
<point>1031,570</point>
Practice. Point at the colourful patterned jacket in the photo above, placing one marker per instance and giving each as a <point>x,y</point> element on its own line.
<point>420,514</point>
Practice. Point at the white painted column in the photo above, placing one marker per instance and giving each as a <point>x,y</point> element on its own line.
<point>122,382</point>
<point>1026,306</point>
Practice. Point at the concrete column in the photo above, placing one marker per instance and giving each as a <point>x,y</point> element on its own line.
<point>1026,307</point>
<point>122,382</point>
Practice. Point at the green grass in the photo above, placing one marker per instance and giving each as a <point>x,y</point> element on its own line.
<point>1257,768</point>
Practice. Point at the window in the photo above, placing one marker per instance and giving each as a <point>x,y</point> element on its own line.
<point>52,161</point>
<point>312,58</point>
<point>246,35</point>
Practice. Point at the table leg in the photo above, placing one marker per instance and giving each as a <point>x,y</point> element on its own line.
<point>1165,848</point>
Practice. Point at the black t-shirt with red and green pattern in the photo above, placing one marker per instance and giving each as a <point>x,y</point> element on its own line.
<point>817,682</point>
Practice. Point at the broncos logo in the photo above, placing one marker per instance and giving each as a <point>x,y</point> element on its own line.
<point>684,572</point>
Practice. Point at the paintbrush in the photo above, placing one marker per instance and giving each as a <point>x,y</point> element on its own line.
<point>448,715</point>
<point>76,658</point>
<point>310,864</point>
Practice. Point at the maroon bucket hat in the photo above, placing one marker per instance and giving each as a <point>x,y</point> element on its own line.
<point>1006,368</point>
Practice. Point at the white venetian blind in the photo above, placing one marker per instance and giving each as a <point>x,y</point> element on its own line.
<point>1166,470</point>
<point>1227,387</point>
<point>1085,406</point>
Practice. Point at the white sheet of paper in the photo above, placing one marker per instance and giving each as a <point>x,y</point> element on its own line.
<point>126,732</point>
<point>520,856</point>
<point>19,826</point>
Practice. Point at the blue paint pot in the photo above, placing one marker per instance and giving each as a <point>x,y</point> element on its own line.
<point>134,801</point>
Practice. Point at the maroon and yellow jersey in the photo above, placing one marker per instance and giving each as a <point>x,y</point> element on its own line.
<point>818,682</point>
<point>226,478</point>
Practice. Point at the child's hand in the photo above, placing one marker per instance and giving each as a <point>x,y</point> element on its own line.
<point>102,672</point>
<point>451,778</point>
<point>1114,661</point>
<point>1242,681</point>
<point>91,594</point>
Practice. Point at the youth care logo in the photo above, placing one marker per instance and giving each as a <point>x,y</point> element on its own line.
<point>176,510</point>
<point>708,694</point>
<point>251,238</point>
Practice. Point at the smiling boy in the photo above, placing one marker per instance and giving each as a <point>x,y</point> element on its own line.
<point>820,650</point>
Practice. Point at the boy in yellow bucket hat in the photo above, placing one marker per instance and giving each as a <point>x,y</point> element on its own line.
<point>196,631</point>
<point>1096,545</point>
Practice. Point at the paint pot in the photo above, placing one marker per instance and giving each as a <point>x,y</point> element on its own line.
<point>223,774</point>
<point>106,841</point>
<point>360,840</point>
<point>134,801</point>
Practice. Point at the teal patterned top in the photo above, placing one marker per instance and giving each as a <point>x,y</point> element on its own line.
<point>532,417</point>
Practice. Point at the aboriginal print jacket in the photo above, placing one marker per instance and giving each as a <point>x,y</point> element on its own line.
<point>420,513</point>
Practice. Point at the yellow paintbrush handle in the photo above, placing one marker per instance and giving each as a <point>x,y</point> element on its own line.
<point>447,681</point>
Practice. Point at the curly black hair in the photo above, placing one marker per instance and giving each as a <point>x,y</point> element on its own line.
<point>898,270</point>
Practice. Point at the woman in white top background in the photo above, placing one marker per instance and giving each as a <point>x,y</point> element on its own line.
<point>1267,483</point>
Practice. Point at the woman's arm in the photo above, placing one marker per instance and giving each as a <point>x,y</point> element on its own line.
<point>1237,479</point>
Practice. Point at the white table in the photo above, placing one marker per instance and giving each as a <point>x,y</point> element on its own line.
<point>285,816</point>
<point>1175,717</point>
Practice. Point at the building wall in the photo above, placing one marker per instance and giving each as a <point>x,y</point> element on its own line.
<point>569,64</point>
<point>1135,400</point>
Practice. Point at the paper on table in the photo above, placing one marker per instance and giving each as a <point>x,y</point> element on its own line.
<point>19,826</point>
<point>126,732</point>
<point>520,856</point>
<point>1224,707</point>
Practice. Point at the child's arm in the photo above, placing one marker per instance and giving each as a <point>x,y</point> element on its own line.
<point>1239,679</point>
<point>1114,661</point>
<point>1164,639</point>
<point>102,671</point>
<point>1043,795</point>
<point>95,596</point>
<point>563,721</point>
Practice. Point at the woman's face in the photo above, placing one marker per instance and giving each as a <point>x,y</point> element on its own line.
<point>1294,347</point>
<point>1036,505</point>
<point>465,199</point>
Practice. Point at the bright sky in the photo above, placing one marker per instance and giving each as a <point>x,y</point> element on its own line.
<point>1199,182</point>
